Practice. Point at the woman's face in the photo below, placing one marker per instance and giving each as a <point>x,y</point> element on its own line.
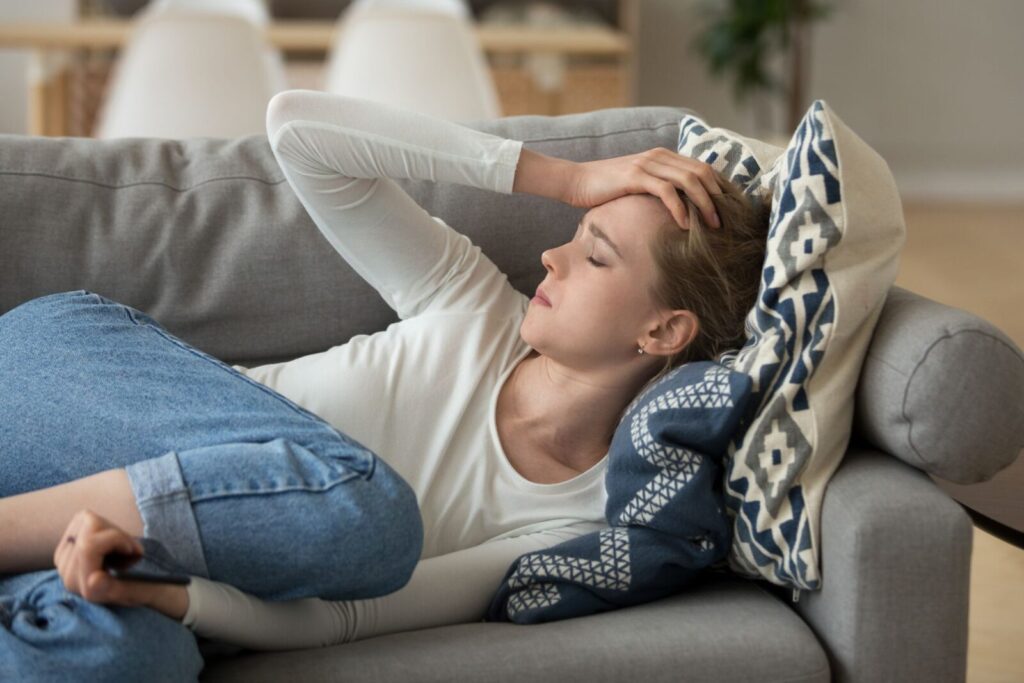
<point>600,306</point>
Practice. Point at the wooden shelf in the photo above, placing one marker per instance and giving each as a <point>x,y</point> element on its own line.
<point>316,36</point>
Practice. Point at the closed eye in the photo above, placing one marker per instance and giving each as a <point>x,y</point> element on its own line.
<point>590,259</point>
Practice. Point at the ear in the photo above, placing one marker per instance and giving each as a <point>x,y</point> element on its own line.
<point>673,334</point>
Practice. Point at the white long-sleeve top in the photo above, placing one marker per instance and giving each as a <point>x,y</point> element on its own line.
<point>422,393</point>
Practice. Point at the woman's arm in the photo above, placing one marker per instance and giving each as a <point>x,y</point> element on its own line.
<point>341,156</point>
<point>170,599</point>
<point>448,589</point>
<point>546,176</point>
<point>32,523</point>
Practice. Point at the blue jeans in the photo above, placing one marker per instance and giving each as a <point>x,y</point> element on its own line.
<point>238,482</point>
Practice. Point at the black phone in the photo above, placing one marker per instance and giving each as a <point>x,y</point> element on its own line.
<point>155,564</point>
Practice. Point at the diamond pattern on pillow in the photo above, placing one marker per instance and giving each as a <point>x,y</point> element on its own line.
<point>836,230</point>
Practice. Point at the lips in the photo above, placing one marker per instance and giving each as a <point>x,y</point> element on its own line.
<point>540,293</point>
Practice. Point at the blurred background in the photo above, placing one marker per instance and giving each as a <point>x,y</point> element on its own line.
<point>934,86</point>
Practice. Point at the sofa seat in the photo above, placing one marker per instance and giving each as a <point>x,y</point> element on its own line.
<point>725,629</point>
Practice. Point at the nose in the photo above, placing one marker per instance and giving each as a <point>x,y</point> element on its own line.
<point>547,258</point>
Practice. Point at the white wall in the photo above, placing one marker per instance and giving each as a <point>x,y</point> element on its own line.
<point>935,86</point>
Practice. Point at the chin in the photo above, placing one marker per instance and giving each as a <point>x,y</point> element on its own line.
<point>528,338</point>
<point>525,336</point>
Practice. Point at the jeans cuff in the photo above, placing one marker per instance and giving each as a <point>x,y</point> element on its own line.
<point>166,509</point>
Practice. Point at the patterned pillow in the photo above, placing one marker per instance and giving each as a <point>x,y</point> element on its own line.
<point>665,510</point>
<point>832,254</point>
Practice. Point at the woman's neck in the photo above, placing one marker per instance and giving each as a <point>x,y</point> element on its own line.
<point>564,415</point>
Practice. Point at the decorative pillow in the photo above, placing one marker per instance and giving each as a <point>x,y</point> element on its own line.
<point>665,510</point>
<point>832,254</point>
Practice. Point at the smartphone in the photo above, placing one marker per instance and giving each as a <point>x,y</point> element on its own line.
<point>155,564</point>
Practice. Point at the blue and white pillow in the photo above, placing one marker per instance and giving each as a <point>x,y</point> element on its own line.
<point>836,231</point>
<point>665,509</point>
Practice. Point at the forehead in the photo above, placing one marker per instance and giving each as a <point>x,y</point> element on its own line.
<point>630,220</point>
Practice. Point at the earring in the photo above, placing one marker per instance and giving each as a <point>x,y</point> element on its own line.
<point>641,349</point>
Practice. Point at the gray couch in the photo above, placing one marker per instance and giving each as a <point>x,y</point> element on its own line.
<point>206,236</point>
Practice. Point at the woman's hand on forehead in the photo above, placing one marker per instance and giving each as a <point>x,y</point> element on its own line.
<point>658,171</point>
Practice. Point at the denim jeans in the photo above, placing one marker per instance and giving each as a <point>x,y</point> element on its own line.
<point>238,482</point>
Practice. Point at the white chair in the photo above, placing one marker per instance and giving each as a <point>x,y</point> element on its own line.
<point>189,75</point>
<point>425,60</point>
<point>253,10</point>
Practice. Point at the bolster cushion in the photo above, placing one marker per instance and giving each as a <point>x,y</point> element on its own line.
<point>942,389</point>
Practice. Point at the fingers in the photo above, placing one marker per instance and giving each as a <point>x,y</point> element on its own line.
<point>693,184</point>
<point>696,178</point>
<point>701,169</point>
<point>101,587</point>
<point>64,547</point>
<point>79,559</point>
<point>676,206</point>
<point>87,563</point>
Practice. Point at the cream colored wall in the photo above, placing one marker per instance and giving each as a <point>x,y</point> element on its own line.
<point>935,86</point>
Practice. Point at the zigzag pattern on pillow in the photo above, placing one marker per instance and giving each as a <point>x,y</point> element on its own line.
<point>667,520</point>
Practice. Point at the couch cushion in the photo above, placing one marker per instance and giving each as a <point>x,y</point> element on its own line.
<point>694,635</point>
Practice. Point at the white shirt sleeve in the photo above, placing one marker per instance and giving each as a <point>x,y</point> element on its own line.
<point>340,154</point>
<point>447,589</point>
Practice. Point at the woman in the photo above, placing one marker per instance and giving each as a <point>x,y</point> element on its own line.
<point>496,410</point>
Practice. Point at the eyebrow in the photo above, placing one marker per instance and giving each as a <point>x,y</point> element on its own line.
<point>600,234</point>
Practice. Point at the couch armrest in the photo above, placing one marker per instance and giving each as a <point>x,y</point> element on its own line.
<point>896,565</point>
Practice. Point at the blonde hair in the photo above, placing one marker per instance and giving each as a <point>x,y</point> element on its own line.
<point>713,272</point>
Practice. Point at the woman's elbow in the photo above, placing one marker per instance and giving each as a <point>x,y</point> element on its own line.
<point>283,107</point>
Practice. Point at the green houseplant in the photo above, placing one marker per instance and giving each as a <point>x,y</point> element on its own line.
<point>741,38</point>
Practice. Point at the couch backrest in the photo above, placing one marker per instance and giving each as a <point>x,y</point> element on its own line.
<point>206,236</point>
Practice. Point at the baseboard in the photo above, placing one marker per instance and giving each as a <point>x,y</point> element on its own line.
<point>993,186</point>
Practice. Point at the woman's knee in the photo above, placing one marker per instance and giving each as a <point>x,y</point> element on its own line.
<point>399,533</point>
<point>372,525</point>
<point>334,532</point>
<point>382,544</point>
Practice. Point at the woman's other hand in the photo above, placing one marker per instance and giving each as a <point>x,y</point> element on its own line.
<point>79,561</point>
<point>658,171</point>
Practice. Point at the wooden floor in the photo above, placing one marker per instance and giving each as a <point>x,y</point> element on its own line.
<point>972,257</point>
